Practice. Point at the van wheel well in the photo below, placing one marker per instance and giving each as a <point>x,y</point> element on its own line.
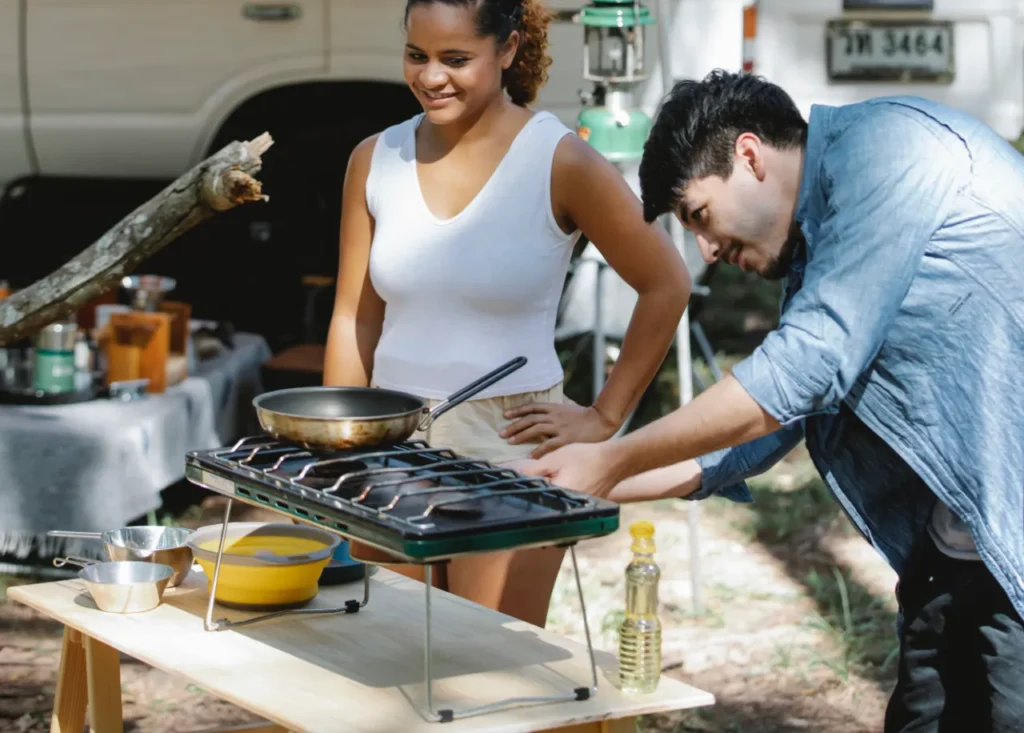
<point>252,259</point>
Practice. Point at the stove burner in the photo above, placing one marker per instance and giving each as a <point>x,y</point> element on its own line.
<point>455,504</point>
<point>325,474</point>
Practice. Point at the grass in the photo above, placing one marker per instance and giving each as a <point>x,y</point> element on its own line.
<point>792,511</point>
<point>861,627</point>
<point>782,514</point>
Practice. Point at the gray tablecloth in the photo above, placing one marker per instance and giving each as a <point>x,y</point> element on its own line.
<point>97,465</point>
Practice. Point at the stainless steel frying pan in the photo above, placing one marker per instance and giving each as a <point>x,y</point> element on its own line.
<point>341,418</point>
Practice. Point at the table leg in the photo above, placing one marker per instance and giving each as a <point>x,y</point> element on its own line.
<point>70,698</point>
<point>104,675</point>
<point>261,727</point>
<point>621,725</point>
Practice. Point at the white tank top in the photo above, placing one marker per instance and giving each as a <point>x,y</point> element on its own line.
<point>465,295</point>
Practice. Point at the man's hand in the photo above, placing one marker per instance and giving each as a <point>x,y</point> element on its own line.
<point>722,416</point>
<point>556,424</point>
<point>590,468</point>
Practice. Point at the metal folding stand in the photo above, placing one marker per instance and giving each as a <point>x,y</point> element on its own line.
<point>221,624</point>
<point>443,715</point>
<point>446,715</point>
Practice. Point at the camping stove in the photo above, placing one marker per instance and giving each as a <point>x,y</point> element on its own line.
<point>417,503</point>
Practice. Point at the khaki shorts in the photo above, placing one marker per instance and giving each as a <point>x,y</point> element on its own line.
<point>471,429</point>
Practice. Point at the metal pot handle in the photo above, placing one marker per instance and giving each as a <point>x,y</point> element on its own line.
<point>460,396</point>
<point>59,562</point>
<point>74,535</point>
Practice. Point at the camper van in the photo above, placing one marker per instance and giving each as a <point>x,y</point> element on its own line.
<point>103,102</point>
<point>964,53</point>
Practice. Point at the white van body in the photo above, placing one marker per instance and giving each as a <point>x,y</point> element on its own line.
<point>985,59</point>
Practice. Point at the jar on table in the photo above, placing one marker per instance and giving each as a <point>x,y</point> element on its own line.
<point>55,357</point>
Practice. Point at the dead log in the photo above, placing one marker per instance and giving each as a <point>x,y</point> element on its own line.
<point>221,182</point>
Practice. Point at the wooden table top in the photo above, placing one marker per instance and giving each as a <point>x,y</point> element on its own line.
<point>363,673</point>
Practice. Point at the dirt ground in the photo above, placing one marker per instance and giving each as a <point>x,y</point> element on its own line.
<point>795,631</point>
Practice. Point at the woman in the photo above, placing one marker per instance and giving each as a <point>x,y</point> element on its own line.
<point>456,233</point>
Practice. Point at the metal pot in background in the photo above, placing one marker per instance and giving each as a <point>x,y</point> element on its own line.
<point>147,291</point>
<point>17,372</point>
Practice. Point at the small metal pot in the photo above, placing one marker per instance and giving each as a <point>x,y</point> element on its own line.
<point>147,291</point>
<point>164,545</point>
<point>122,586</point>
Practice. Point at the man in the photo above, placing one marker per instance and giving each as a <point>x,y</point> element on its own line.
<point>898,225</point>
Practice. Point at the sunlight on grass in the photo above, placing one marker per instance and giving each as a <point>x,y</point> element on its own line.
<point>862,628</point>
<point>779,515</point>
<point>793,508</point>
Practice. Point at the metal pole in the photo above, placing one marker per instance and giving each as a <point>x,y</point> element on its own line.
<point>683,330</point>
<point>600,346</point>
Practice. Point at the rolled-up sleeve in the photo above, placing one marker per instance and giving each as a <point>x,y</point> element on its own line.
<point>724,472</point>
<point>889,183</point>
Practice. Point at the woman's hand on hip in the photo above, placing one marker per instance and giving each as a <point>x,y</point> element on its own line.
<point>555,424</point>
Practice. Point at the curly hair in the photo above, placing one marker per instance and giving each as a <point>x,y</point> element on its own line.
<point>529,71</point>
<point>499,18</point>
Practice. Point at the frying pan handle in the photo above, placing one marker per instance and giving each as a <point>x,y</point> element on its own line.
<point>460,396</point>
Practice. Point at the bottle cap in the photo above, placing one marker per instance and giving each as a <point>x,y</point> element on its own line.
<point>642,532</point>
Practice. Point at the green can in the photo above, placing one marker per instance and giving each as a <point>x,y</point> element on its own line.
<point>54,356</point>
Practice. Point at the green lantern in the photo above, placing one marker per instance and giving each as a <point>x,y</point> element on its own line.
<point>613,58</point>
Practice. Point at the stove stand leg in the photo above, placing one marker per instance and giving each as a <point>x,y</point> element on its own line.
<point>208,623</point>
<point>446,715</point>
<point>220,624</point>
<point>583,692</point>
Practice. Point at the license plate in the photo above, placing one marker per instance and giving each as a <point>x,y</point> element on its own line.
<point>890,51</point>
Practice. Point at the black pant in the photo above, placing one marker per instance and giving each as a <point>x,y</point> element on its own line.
<point>961,666</point>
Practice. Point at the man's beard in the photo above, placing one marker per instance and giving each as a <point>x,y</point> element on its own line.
<point>779,265</point>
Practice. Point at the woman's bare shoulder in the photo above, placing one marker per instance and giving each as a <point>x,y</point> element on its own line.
<point>363,151</point>
<point>574,156</point>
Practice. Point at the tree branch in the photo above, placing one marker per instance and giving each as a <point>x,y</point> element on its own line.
<point>219,183</point>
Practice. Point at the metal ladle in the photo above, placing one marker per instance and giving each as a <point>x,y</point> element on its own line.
<point>164,545</point>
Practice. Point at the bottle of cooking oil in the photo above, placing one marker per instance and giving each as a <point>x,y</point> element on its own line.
<point>640,632</point>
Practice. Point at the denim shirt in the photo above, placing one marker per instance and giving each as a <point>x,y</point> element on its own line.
<point>900,346</point>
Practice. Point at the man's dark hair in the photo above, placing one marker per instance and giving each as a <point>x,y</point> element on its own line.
<point>695,131</point>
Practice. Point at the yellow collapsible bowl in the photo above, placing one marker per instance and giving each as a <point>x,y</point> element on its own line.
<point>265,565</point>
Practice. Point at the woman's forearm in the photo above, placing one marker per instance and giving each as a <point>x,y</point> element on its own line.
<point>348,358</point>
<point>647,340</point>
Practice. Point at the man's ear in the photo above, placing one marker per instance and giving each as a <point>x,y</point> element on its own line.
<point>750,151</point>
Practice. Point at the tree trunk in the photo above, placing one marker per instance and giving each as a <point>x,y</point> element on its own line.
<point>221,182</point>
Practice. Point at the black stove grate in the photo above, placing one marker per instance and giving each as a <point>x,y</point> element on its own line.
<point>410,487</point>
